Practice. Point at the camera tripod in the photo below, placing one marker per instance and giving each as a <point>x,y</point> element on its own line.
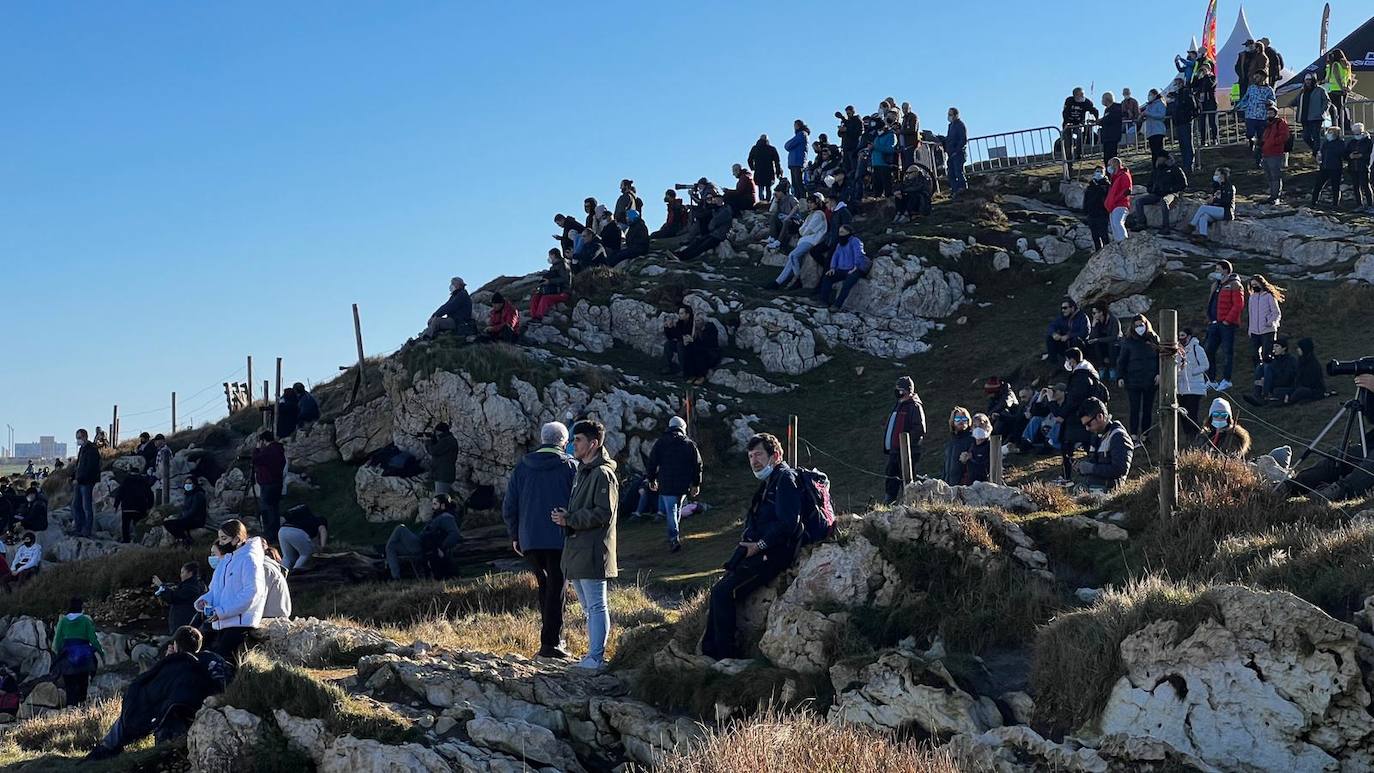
<point>1354,419</point>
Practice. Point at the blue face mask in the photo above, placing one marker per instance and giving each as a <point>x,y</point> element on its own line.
<point>214,561</point>
<point>1221,423</point>
<point>764,473</point>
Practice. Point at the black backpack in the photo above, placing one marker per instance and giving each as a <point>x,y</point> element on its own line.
<point>1096,388</point>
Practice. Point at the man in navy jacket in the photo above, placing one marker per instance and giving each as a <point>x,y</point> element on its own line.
<point>772,534</point>
<point>540,483</point>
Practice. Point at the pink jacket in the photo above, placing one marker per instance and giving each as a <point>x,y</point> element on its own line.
<point>1264,314</point>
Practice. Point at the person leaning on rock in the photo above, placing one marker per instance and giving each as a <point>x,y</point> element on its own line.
<point>768,546</point>
<point>440,536</point>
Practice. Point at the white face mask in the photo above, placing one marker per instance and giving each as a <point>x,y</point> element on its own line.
<point>764,473</point>
<point>1140,330</point>
<point>1098,175</point>
<point>1221,423</point>
<point>1216,178</point>
<point>188,487</point>
<point>1069,366</point>
<point>979,433</point>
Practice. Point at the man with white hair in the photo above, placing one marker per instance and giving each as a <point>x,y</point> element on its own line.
<point>541,483</point>
<point>456,313</point>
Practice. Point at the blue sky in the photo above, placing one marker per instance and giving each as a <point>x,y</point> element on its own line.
<point>184,184</point>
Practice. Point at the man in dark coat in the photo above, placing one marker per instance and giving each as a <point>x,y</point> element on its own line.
<point>674,472</point>
<point>87,475</point>
<point>1167,182</point>
<point>766,165</point>
<point>636,239</point>
<point>908,417</point>
<point>194,510</point>
<point>34,516</point>
<point>134,498</point>
<point>288,413</point>
<point>455,314</point>
<point>269,472</point>
<point>443,457</point>
<point>1109,458</point>
<point>180,597</point>
<point>540,484</point>
<point>164,699</point>
<point>309,406</point>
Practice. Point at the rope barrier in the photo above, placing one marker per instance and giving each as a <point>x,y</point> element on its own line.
<point>813,447</point>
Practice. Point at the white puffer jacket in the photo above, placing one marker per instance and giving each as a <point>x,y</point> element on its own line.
<point>238,589</point>
<point>1192,369</point>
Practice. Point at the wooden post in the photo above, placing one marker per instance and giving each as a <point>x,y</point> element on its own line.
<point>1168,399</point>
<point>265,393</point>
<point>995,460</point>
<point>165,473</point>
<point>905,448</point>
<point>277,397</point>
<point>174,413</point>
<point>114,427</point>
<point>689,411</point>
<point>250,379</point>
<point>791,449</point>
<point>358,335</point>
<point>228,397</point>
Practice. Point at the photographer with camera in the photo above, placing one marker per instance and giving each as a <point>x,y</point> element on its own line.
<point>769,544</point>
<point>1351,474</point>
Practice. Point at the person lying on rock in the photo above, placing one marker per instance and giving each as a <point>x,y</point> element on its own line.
<point>768,546</point>
<point>163,700</point>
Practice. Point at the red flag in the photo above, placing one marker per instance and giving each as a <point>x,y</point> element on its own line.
<point>1209,32</point>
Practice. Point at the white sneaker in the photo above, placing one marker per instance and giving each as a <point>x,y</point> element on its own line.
<point>1210,386</point>
<point>588,663</point>
<point>1006,449</point>
<point>1224,385</point>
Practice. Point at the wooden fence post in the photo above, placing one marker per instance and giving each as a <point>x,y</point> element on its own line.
<point>1168,398</point>
<point>277,398</point>
<point>995,460</point>
<point>250,379</point>
<point>114,428</point>
<point>904,446</point>
<point>174,413</point>
<point>792,440</point>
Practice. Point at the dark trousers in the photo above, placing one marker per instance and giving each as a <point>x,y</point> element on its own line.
<point>553,594</point>
<point>1261,349</point>
<point>846,279</point>
<point>127,518</point>
<point>1074,136</point>
<point>230,643</point>
<point>882,181</point>
<point>179,528</point>
<point>1356,475</point>
<point>1142,403</point>
<point>1183,133</point>
<point>1339,115</point>
<point>1312,134</point>
<point>1109,150</point>
<point>893,483</point>
<point>76,686</point>
<point>1359,182</point>
<point>1098,227</point>
<point>674,353</point>
<point>697,247</point>
<point>1208,122</point>
<point>1191,405</point>
<point>269,509</point>
<point>1220,337</point>
<point>1071,436</point>
<point>798,189</point>
<point>719,639</point>
<point>1156,143</point>
<point>1327,177</point>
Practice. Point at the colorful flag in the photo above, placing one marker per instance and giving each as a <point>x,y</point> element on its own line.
<point>1209,32</point>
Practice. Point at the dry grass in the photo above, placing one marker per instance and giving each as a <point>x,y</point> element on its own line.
<point>1047,498</point>
<point>58,740</point>
<point>776,743</point>
<point>1077,656</point>
<point>1332,568</point>
<point>47,595</point>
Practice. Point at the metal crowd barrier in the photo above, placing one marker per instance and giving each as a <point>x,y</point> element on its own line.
<point>1023,149</point>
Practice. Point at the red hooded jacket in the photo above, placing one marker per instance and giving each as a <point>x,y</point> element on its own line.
<point>1230,301</point>
<point>1120,193</point>
<point>504,315</point>
<point>1275,141</point>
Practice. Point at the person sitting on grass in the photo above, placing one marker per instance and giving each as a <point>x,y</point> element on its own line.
<point>163,700</point>
<point>439,537</point>
<point>1069,329</point>
<point>1223,434</point>
<point>503,322</point>
<point>675,334</point>
<point>768,546</point>
<point>1278,378</point>
<point>701,352</point>
<point>1110,452</point>
<point>455,315</point>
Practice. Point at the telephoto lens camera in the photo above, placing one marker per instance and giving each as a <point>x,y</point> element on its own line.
<point>1361,367</point>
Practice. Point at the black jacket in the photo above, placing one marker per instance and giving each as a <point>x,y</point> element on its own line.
<point>34,515</point>
<point>1205,93</point>
<point>765,163</point>
<point>1358,152</point>
<point>135,494</point>
<point>1184,107</point>
<point>443,457</point>
<point>1310,372</point>
<point>674,464</point>
<point>1095,199</point>
<point>1285,369</point>
<point>194,508</point>
<point>1332,153</point>
<point>958,443</point>
<point>1002,407</point>
<point>980,463</point>
<point>308,407</point>
<point>180,600</point>
<point>1112,124</point>
<point>637,236</point>
<point>851,130</point>
<point>1170,179</point>
<point>1138,363</point>
<point>775,516</point>
<point>88,465</point>
<point>1079,389</point>
<point>1076,113</point>
<point>458,307</point>
<point>443,532</point>
<point>178,680</point>
<point>288,415</point>
<point>1109,459</point>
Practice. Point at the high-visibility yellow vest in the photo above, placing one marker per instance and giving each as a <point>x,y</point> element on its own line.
<point>1337,76</point>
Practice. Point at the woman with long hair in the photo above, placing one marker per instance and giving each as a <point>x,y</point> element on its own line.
<point>237,597</point>
<point>1265,317</point>
<point>1137,371</point>
<point>1222,205</point>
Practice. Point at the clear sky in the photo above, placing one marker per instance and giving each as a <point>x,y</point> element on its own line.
<point>183,184</point>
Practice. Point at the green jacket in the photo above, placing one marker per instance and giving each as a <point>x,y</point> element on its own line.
<point>589,544</point>
<point>81,628</point>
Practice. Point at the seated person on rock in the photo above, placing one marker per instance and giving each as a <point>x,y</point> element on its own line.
<point>503,322</point>
<point>439,537</point>
<point>1042,420</point>
<point>784,215</point>
<point>768,546</point>
<point>958,445</point>
<point>1223,434</point>
<point>848,264</point>
<point>913,195</point>
<point>1004,409</point>
<point>180,597</point>
<point>675,334</point>
<point>163,700</point>
<point>1166,184</point>
<point>701,351</point>
<point>1066,331</point>
<point>1348,476</point>
<point>677,219</point>
<point>25,560</point>
<point>717,228</point>
<point>636,240</point>
<point>589,252</point>
<point>554,288</point>
<point>1110,449</point>
<point>744,195</point>
<point>978,458</point>
<point>1277,378</point>
<point>194,510</point>
<point>34,516</point>
<point>454,315</point>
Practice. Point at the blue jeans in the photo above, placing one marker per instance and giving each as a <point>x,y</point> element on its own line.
<point>671,506</point>
<point>1055,432</point>
<point>1032,433</point>
<point>846,278</point>
<point>83,508</point>
<point>794,262</point>
<point>956,173</point>
<point>1183,133</point>
<point>592,595</point>
<point>1220,336</point>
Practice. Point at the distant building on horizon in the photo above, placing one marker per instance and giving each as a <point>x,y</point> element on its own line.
<point>47,447</point>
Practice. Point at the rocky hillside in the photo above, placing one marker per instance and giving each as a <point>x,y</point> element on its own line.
<point>1015,627</point>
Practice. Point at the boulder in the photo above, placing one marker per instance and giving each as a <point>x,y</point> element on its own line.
<point>1364,269</point>
<point>1055,250</point>
<point>1131,305</point>
<point>524,741</point>
<point>1270,682</point>
<point>350,755</point>
<point>386,498</point>
<point>901,690</point>
<point>79,549</point>
<point>936,294</point>
<point>1001,261</point>
<point>43,698</point>
<point>130,464</point>
<point>223,738</point>
<point>744,382</point>
<point>1019,748</point>
<point>310,447</point>
<point>1073,192</point>
<point>979,494</point>
<point>24,647</point>
<point>782,342</point>
<point>316,643</point>
<point>307,736</point>
<point>364,430</point>
<point>1120,268</point>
